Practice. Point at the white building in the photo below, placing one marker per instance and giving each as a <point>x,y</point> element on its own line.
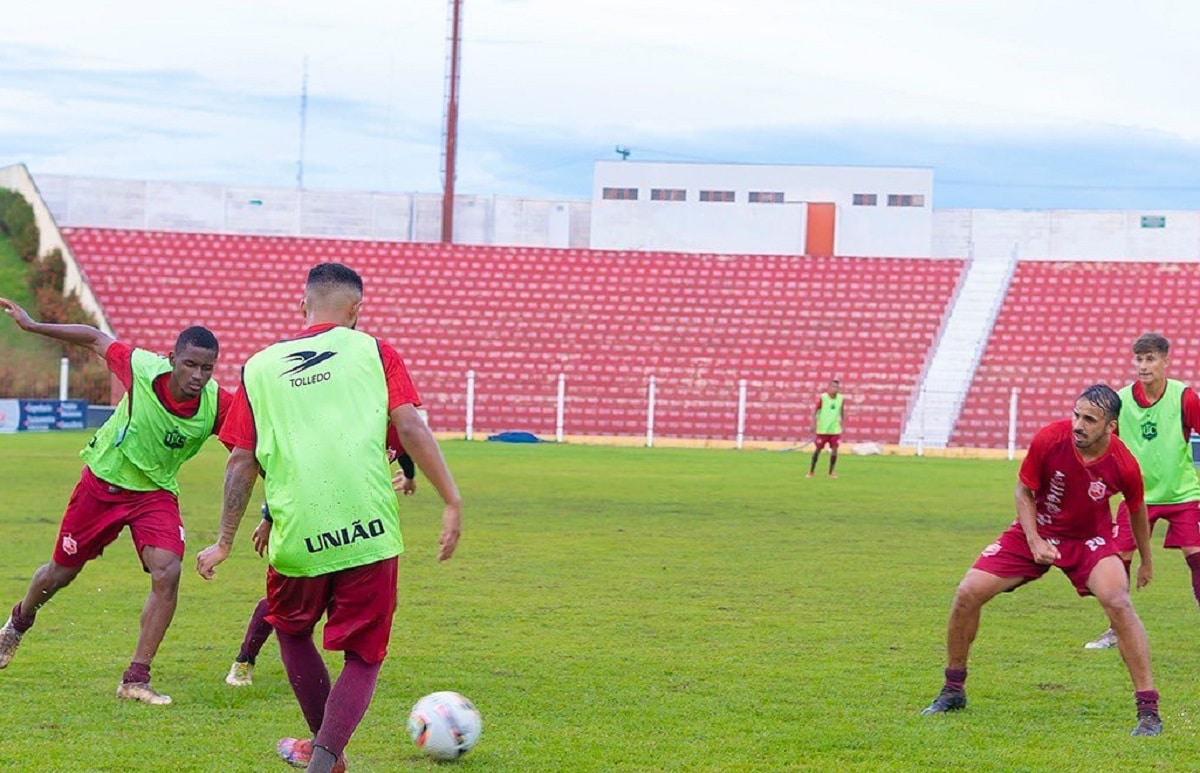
<point>762,209</point>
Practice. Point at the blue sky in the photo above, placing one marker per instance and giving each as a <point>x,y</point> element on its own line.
<point>1013,103</point>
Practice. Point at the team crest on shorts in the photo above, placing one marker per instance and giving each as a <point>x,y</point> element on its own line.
<point>1097,490</point>
<point>69,546</point>
<point>991,550</point>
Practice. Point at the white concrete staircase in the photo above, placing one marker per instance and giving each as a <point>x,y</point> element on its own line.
<point>939,395</point>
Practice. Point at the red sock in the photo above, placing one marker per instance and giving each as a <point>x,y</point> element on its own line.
<point>137,673</point>
<point>1147,701</point>
<point>19,621</point>
<point>1193,562</point>
<point>308,675</point>
<point>257,633</point>
<point>956,678</point>
<point>348,702</point>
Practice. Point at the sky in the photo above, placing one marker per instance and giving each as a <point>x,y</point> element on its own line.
<point>1013,103</point>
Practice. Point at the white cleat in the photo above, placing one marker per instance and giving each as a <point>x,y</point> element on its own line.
<point>10,637</point>
<point>240,675</point>
<point>142,691</point>
<point>1107,640</point>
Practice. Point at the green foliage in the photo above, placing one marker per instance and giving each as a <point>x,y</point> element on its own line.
<point>618,610</point>
<point>32,365</point>
<point>18,224</point>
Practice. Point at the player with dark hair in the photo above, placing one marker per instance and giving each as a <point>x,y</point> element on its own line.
<point>170,408</point>
<point>1158,417</point>
<point>1063,519</point>
<point>258,630</point>
<point>312,413</point>
<point>827,425</point>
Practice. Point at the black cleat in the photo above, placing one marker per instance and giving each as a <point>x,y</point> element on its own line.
<point>948,700</point>
<point>1149,723</point>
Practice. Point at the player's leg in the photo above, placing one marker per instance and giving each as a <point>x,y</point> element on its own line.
<point>294,606</point>
<point>1183,533</point>
<point>1125,544</point>
<point>1107,582</point>
<point>48,580</point>
<point>818,444</point>
<point>90,523</point>
<point>157,613</point>
<point>157,531</point>
<point>976,589</point>
<point>360,625</point>
<point>258,630</point>
<point>833,453</point>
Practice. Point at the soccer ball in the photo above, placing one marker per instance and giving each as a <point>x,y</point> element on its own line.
<point>445,725</point>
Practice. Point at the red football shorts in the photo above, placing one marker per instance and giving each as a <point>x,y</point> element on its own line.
<point>828,440</point>
<point>97,512</point>
<point>360,603</point>
<point>1009,556</point>
<point>1183,525</point>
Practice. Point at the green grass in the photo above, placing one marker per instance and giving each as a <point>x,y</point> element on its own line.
<point>618,609</point>
<point>14,285</point>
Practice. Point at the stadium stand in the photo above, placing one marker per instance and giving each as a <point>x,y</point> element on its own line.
<point>520,316</point>
<point>1064,326</point>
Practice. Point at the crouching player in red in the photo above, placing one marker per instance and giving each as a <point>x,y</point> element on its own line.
<point>1064,520</point>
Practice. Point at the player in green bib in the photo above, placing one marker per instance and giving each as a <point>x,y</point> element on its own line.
<point>170,408</point>
<point>827,426</point>
<point>312,415</point>
<point>1158,416</point>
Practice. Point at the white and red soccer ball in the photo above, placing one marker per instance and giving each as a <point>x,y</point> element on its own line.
<point>445,725</point>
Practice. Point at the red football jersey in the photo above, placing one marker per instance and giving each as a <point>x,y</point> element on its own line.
<point>1072,496</point>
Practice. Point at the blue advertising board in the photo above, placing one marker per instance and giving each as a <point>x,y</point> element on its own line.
<point>42,415</point>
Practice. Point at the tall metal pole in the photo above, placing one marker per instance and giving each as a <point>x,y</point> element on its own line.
<point>451,149</point>
<point>303,126</point>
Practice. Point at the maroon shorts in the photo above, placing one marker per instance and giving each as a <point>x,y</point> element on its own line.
<point>1009,556</point>
<point>360,603</point>
<point>97,512</point>
<point>1183,525</point>
<point>828,440</point>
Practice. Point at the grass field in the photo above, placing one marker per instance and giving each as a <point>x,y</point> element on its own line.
<point>618,609</point>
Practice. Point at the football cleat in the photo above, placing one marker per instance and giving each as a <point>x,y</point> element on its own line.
<point>240,674</point>
<point>10,637</point>
<point>142,691</point>
<point>297,752</point>
<point>947,700</point>
<point>1107,640</point>
<point>1149,723</point>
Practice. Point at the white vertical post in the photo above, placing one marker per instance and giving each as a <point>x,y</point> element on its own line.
<point>64,369</point>
<point>650,413</point>
<point>470,404</point>
<point>1012,424</point>
<point>924,398</point>
<point>741,415</point>
<point>562,399</point>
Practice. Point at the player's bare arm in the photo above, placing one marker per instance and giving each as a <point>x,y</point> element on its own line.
<point>241,471</point>
<point>420,444</point>
<point>80,335</point>
<point>1139,521</point>
<point>1043,552</point>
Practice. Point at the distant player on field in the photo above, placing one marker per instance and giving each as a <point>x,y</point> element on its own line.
<point>258,630</point>
<point>1158,416</point>
<point>827,425</point>
<point>312,413</point>
<point>1063,519</point>
<point>170,408</point>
